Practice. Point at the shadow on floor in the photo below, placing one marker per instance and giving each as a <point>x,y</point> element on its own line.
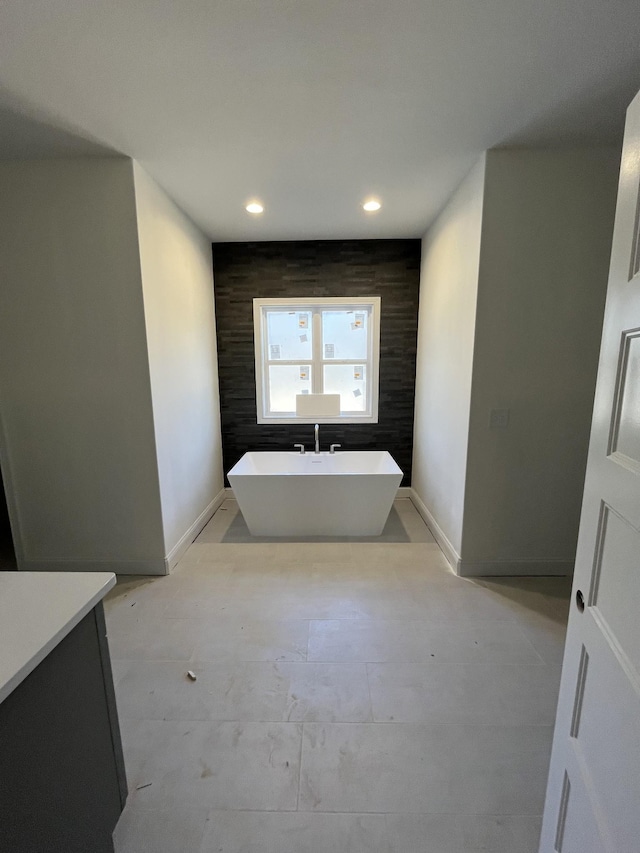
<point>393,531</point>
<point>549,596</point>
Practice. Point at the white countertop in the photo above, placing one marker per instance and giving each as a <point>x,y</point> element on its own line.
<point>38,609</point>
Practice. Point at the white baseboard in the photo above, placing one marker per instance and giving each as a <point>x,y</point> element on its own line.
<point>130,567</point>
<point>514,568</point>
<point>118,567</point>
<point>453,558</point>
<point>178,551</point>
<point>488,568</point>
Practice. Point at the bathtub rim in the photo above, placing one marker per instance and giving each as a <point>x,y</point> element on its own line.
<point>391,467</point>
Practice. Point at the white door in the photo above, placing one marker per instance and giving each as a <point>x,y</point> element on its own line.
<point>593,794</point>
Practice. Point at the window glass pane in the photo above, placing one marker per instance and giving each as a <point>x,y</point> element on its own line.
<point>285,381</point>
<point>349,381</point>
<point>344,334</point>
<point>289,335</point>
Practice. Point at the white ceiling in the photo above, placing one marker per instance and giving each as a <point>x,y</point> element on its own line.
<point>312,105</point>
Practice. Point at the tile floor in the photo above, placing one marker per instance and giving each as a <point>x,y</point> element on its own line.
<point>351,696</point>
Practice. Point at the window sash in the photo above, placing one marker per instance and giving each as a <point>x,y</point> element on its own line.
<point>317,361</point>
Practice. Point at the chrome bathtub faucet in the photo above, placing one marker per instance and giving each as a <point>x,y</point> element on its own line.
<point>332,449</point>
<point>316,432</point>
<point>301,446</point>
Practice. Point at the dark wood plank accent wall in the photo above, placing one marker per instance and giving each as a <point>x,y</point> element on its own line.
<point>306,269</point>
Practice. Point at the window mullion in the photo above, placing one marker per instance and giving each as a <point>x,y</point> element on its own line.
<point>264,367</point>
<point>300,361</point>
<point>317,378</point>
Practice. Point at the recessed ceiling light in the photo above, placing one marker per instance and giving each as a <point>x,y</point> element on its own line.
<point>371,205</point>
<point>254,207</point>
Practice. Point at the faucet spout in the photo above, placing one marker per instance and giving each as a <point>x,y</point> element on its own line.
<point>316,432</point>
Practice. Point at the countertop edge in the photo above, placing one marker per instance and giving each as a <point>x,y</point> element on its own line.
<point>9,686</point>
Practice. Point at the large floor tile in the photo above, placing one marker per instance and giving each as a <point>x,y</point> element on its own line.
<point>424,768</point>
<point>334,602</point>
<point>363,640</point>
<point>319,692</point>
<point>218,526</point>
<point>269,832</point>
<point>154,638</point>
<point>377,641</point>
<point>469,642</point>
<point>308,553</point>
<point>266,587</point>
<point>397,555</point>
<point>551,651</point>
<point>199,598</point>
<point>202,551</point>
<point>134,587</point>
<point>464,602</point>
<point>523,596</point>
<point>133,595</point>
<point>417,703</point>
<point>219,765</point>
<point>442,603</point>
<point>207,571</point>
<point>162,690</point>
<point>424,833</point>
<point>427,569</point>
<point>546,631</point>
<point>483,694</point>
<point>177,829</point>
<point>311,578</point>
<point>314,832</point>
<point>449,833</point>
<point>557,588</point>
<point>345,572</point>
<point>500,833</point>
<point>236,639</point>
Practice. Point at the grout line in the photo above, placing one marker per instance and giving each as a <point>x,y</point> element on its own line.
<point>366,669</point>
<point>337,663</point>
<point>386,723</point>
<point>300,767</point>
<point>148,807</point>
<point>530,642</point>
<point>455,814</point>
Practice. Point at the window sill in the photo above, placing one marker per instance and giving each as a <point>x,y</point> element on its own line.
<point>365,419</point>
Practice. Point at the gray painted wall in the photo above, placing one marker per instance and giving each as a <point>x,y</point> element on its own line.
<point>446,330</point>
<point>110,443</point>
<point>546,243</point>
<point>527,324</point>
<point>177,284</point>
<point>78,451</point>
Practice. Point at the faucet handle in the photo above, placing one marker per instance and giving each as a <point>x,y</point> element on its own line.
<point>332,449</point>
<point>301,446</point>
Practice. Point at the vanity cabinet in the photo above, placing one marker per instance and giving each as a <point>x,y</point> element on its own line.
<point>62,776</point>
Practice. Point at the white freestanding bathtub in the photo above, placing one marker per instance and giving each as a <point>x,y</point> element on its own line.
<point>347,493</point>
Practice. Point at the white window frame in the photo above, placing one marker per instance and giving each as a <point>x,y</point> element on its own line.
<point>372,372</point>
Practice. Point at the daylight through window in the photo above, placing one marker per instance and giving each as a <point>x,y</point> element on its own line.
<point>317,347</point>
